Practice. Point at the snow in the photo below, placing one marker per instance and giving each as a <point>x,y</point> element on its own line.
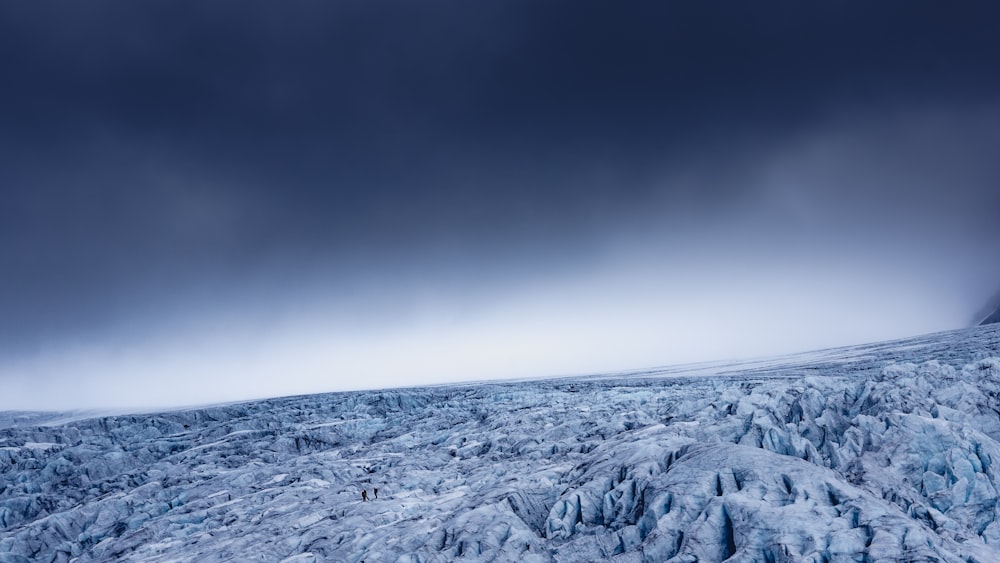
<point>888,451</point>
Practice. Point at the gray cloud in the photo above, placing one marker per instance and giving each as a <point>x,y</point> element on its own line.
<point>177,168</point>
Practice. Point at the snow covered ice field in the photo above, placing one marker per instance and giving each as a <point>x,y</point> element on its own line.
<point>883,452</point>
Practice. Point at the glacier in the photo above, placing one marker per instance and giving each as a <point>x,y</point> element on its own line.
<point>880,452</point>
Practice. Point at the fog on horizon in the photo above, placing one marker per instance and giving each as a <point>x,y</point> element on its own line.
<point>216,203</point>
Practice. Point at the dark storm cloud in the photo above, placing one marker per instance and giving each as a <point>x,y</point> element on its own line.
<point>160,157</point>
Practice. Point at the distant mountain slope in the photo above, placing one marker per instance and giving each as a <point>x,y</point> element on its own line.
<point>881,452</point>
<point>994,317</point>
<point>990,313</point>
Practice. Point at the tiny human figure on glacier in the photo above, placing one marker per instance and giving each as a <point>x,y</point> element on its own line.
<point>375,490</point>
<point>364,495</point>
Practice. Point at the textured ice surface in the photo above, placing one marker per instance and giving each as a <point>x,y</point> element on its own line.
<point>881,452</point>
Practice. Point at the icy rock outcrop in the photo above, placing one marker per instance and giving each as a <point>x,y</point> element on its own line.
<point>885,452</point>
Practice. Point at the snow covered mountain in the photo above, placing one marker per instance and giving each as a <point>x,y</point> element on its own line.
<point>883,452</point>
<point>993,317</point>
<point>990,313</point>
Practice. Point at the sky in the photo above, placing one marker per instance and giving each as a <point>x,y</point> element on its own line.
<point>206,202</point>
